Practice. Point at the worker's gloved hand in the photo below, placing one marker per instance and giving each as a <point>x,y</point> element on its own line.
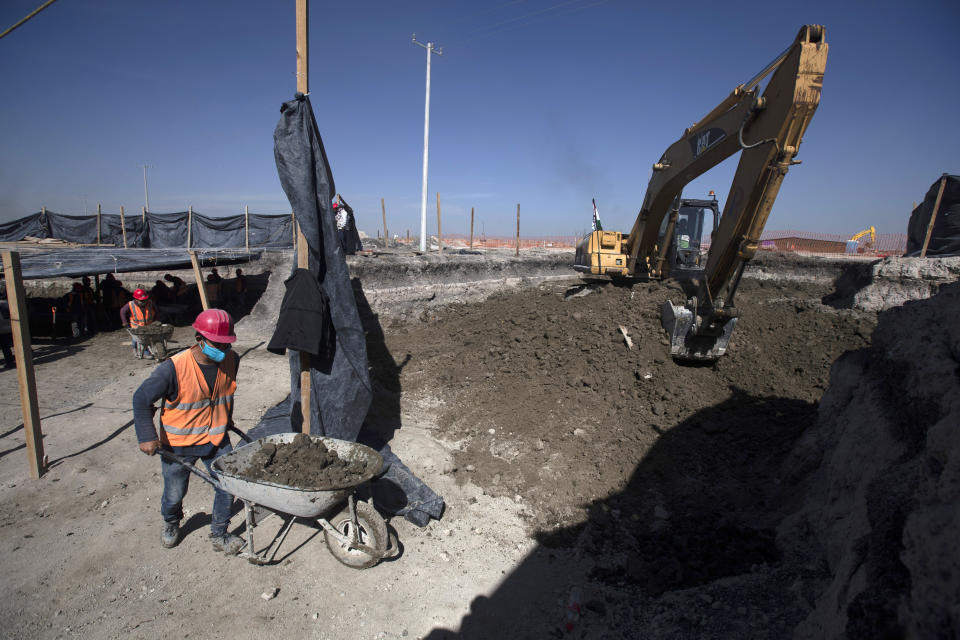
<point>150,448</point>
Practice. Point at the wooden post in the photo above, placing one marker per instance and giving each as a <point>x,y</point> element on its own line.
<point>439,231</point>
<point>386,234</point>
<point>303,250</point>
<point>123,227</point>
<point>933,217</point>
<point>471,227</point>
<point>518,229</point>
<point>246,227</point>
<point>143,215</point>
<point>201,289</point>
<point>20,326</point>
<point>190,228</point>
<point>98,223</point>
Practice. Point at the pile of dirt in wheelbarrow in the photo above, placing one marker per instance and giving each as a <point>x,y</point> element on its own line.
<point>305,463</point>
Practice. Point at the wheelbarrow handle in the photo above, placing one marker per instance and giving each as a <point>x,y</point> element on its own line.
<point>169,456</point>
<point>242,435</point>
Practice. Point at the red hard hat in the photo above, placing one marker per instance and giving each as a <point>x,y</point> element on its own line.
<point>216,325</point>
<point>140,294</point>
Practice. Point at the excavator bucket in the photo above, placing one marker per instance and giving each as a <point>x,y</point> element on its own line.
<point>685,342</point>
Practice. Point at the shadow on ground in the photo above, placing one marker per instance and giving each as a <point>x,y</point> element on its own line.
<point>702,505</point>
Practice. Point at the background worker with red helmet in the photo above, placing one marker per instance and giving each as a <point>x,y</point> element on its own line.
<point>196,387</point>
<point>139,312</point>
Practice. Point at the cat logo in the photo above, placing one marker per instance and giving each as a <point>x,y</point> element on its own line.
<point>706,140</point>
<point>703,141</point>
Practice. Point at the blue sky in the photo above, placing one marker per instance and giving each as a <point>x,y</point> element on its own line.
<point>545,103</point>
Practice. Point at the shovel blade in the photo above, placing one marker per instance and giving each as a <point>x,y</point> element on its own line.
<point>685,344</point>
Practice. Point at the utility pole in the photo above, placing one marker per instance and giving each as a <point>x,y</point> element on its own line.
<point>426,143</point>
<point>146,198</point>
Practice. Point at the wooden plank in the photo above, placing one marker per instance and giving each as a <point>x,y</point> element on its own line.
<point>20,326</point>
<point>303,250</point>
<point>439,230</point>
<point>201,289</point>
<point>933,217</point>
<point>123,227</point>
<point>386,234</point>
<point>143,216</point>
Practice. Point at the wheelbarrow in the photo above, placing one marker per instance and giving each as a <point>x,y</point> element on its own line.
<point>356,536</point>
<point>153,337</point>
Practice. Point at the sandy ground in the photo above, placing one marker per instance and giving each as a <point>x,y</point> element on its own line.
<point>575,469</point>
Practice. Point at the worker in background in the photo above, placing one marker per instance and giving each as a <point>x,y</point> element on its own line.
<point>160,293</point>
<point>196,387</point>
<point>177,286</point>
<point>6,332</point>
<point>213,288</point>
<point>115,297</point>
<point>89,305</point>
<point>139,312</point>
<point>75,308</point>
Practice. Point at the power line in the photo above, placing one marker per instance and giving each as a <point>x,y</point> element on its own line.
<point>33,13</point>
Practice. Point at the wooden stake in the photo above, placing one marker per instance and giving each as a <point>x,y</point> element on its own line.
<point>123,227</point>
<point>246,227</point>
<point>386,234</point>
<point>303,250</point>
<point>933,217</point>
<point>471,227</point>
<point>190,228</point>
<point>439,232</point>
<point>201,289</point>
<point>518,229</point>
<point>20,326</point>
<point>143,215</point>
<point>98,223</point>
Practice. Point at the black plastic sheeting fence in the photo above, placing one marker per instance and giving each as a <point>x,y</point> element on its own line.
<point>74,263</point>
<point>179,230</point>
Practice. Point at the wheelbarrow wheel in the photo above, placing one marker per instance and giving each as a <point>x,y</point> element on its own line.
<point>372,533</point>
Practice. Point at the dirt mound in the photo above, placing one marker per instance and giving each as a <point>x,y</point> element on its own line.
<point>304,463</point>
<point>882,496</point>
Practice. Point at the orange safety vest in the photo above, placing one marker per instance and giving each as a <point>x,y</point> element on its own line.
<point>141,317</point>
<point>199,415</point>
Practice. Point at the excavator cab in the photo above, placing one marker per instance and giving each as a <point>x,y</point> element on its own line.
<point>685,255</point>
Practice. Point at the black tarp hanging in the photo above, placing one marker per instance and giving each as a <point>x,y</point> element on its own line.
<point>945,235</point>
<point>340,395</point>
<point>341,391</point>
<point>156,230</point>
<point>16,230</point>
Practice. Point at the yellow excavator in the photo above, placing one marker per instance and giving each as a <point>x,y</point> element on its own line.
<point>869,244</point>
<point>767,130</point>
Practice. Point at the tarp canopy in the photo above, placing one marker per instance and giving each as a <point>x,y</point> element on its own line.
<point>74,263</point>
<point>945,235</point>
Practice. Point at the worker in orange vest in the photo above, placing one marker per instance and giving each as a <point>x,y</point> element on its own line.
<point>196,387</point>
<point>139,312</point>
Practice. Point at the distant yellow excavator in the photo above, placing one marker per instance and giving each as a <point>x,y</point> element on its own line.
<point>872,232</point>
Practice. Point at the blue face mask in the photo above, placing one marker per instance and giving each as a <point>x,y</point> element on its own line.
<point>214,354</point>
